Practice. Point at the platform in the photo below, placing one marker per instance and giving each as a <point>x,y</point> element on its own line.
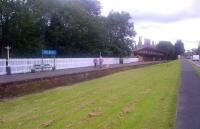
<point>21,84</point>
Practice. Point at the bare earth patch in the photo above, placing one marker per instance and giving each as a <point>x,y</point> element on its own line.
<point>48,123</point>
<point>96,112</point>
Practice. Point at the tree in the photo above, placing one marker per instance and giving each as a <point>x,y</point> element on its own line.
<point>179,48</point>
<point>73,27</point>
<point>198,49</point>
<point>168,48</point>
<point>19,28</point>
<point>7,9</point>
<point>120,31</point>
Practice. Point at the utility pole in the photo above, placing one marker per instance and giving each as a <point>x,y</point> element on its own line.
<point>8,69</point>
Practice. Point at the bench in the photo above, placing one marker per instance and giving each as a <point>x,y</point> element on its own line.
<point>41,67</point>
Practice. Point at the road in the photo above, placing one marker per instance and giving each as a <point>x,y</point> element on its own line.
<point>188,112</point>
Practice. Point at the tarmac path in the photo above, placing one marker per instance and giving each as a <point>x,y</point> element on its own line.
<point>188,112</point>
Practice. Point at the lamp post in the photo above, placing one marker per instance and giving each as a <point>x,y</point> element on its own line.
<point>8,69</point>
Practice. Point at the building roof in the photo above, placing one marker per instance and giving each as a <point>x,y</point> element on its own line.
<point>149,51</point>
<point>149,48</point>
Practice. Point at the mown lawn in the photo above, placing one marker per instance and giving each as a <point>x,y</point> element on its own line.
<point>144,98</point>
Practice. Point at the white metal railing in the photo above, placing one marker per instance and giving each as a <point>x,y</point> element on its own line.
<point>26,64</point>
<point>130,60</point>
<point>2,66</point>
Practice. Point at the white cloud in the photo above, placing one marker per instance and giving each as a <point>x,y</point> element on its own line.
<point>186,30</point>
<point>164,7</point>
<point>162,19</point>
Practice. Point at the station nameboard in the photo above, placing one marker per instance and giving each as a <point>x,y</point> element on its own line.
<point>49,52</point>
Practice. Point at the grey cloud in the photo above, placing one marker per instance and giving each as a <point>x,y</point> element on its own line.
<point>153,17</point>
<point>149,26</point>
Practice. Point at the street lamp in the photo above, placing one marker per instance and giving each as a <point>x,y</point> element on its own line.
<point>8,69</point>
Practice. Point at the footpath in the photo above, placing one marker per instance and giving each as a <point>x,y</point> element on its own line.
<point>188,112</point>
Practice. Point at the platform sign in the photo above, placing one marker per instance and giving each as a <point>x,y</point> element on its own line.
<point>49,52</point>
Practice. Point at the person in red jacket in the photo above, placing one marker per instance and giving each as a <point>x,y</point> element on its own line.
<point>101,61</point>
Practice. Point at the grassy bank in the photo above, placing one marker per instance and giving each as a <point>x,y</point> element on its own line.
<point>136,99</point>
<point>197,69</point>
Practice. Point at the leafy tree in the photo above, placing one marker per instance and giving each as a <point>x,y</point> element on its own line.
<point>168,48</point>
<point>179,48</point>
<point>19,28</point>
<point>198,49</point>
<point>119,33</point>
<point>73,27</point>
<point>7,10</point>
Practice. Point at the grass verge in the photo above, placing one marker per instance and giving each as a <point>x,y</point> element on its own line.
<point>196,68</point>
<point>142,98</point>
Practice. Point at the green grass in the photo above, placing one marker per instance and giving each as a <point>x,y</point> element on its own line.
<point>196,68</point>
<point>142,98</point>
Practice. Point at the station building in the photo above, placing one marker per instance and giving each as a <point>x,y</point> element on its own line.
<point>148,51</point>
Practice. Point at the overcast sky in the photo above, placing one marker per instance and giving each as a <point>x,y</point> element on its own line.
<point>161,19</point>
